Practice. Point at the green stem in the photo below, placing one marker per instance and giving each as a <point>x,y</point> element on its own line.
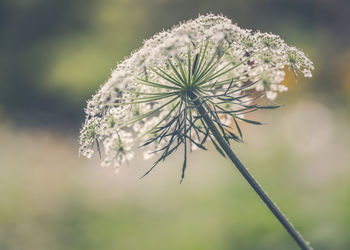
<point>249,178</point>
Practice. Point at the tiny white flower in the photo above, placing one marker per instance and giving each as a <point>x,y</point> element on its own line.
<point>282,88</point>
<point>259,86</point>
<point>147,154</point>
<point>274,87</point>
<point>271,95</point>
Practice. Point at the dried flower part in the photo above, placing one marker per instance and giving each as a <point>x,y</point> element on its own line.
<point>147,98</point>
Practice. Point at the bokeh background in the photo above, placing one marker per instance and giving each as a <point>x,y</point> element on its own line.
<point>53,56</point>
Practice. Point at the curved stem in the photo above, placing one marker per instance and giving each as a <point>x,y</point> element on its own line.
<point>249,178</point>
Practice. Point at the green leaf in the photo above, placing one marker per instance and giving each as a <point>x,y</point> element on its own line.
<point>183,169</point>
<point>195,64</point>
<point>237,126</point>
<point>98,148</point>
<point>249,121</point>
<point>218,148</point>
<point>269,107</point>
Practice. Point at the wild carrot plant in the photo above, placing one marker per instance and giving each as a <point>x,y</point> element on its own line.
<point>188,85</point>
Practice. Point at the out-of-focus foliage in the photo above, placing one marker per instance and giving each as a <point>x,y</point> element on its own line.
<point>55,54</point>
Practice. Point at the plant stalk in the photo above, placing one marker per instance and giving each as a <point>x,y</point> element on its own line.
<point>304,245</point>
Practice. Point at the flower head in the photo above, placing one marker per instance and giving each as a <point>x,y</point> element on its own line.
<point>150,96</point>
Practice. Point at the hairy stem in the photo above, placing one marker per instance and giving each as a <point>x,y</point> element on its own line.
<point>249,178</point>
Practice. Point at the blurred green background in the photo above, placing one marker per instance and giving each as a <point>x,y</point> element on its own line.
<point>54,55</point>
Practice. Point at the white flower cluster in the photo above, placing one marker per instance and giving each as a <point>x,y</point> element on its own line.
<point>145,97</point>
